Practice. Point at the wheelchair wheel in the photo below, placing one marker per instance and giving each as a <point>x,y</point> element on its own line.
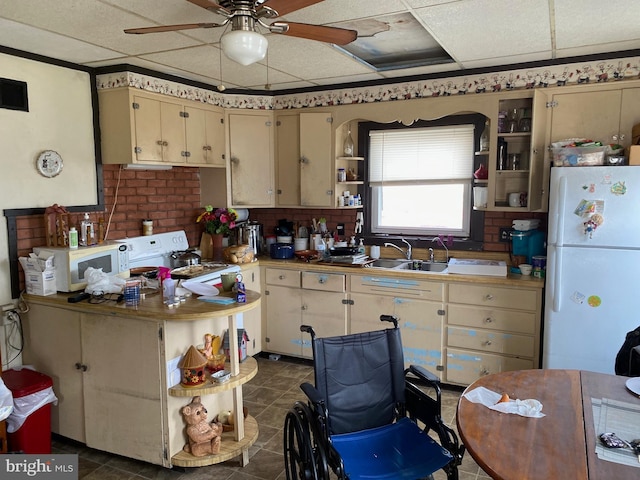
<point>303,458</point>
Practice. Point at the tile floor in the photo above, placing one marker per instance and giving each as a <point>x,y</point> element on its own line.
<point>268,396</point>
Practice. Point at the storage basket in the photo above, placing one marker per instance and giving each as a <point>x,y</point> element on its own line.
<point>578,156</point>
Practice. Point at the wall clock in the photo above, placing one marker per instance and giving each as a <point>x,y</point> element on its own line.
<point>49,163</point>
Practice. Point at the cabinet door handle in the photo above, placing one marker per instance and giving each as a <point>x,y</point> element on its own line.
<point>487,343</point>
<point>80,366</point>
<point>484,371</point>
<point>281,277</point>
<point>488,320</point>
<point>304,307</point>
<point>488,296</point>
<point>159,142</point>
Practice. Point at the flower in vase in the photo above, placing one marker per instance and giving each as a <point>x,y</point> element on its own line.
<point>218,221</point>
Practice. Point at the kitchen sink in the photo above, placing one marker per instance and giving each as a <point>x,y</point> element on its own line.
<point>399,263</point>
<point>402,264</point>
<point>434,267</point>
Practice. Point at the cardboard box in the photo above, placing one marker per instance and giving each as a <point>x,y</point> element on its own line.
<point>39,275</point>
<point>633,155</point>
<point>41,283</point>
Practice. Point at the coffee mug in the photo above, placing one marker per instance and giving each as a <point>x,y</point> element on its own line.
<point>518,199</point>
<point>229,280</point>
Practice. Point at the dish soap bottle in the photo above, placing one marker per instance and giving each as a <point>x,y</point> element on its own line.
<point>361,248</point>
<point>73,238</point>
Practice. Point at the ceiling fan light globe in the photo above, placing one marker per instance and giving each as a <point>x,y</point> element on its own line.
<point>244,47</point>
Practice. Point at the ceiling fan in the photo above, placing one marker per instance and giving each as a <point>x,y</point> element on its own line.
<point>244,44</point>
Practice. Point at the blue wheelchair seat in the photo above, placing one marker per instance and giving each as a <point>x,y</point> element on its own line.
<point>399,451</point>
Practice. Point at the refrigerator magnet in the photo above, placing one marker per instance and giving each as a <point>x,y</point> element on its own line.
<point>594,301</point>
<point>577,297</point>
<point>619,188</point>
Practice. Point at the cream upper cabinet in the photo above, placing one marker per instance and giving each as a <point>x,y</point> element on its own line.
<point>601,112</point>
<point>303,159</point>
<point>149,128</point>
<point>316,168</point>
<point>250,166</point>
<point>287,159</point>
<point>205,137</point>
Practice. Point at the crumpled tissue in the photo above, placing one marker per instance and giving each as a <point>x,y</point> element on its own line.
<point>488,398</point>
<point>99,282</point>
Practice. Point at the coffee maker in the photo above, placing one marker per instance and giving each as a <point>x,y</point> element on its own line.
<point>527,243</point>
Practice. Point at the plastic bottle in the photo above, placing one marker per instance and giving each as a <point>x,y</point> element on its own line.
<point>348,146</point>
<point>73,238</point>
<point>87,234</point>
<point>361,248</point>
<point>484,138</point>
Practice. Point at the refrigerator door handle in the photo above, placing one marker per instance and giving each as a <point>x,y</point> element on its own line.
<point>557,279</point>
<point>559,213</point>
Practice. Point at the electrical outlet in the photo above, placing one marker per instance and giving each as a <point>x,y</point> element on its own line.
<point>505,234</point>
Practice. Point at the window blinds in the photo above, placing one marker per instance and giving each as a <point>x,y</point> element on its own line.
<point>421,154</point>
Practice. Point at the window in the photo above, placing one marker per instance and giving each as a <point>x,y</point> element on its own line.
<point>420,177</point>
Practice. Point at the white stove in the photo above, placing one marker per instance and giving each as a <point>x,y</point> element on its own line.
<point>155,251</point>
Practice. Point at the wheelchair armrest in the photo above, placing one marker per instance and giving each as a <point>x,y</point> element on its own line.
<point>312,393</point>
<point>423,374</point>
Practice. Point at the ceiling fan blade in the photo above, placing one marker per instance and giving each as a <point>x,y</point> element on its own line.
<point>287,6</point>
<point>339,36</point>
<point>171,28</point>
<point>211,6</point>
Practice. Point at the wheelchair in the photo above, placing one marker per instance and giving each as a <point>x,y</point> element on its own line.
<point>367,417</point>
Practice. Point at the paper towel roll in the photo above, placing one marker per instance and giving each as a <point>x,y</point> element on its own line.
<point>243,214</point>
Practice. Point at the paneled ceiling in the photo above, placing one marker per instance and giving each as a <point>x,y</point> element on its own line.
<point>474,33</point>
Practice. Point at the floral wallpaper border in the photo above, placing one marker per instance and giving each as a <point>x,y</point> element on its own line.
<point>542,77</point>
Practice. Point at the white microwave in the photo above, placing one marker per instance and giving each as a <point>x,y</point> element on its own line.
<point>71,264</point>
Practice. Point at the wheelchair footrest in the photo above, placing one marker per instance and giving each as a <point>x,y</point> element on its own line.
<point>399,450</point>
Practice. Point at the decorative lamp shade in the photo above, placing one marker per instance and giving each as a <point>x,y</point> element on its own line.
<point>192,368</point>
<point>244,46</point>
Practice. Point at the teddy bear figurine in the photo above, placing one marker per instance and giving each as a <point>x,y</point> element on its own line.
<point>204,437</point>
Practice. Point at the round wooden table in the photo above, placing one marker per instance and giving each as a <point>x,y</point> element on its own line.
<point>560,445</point>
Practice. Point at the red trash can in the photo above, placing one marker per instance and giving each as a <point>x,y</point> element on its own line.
<point>34,436</point>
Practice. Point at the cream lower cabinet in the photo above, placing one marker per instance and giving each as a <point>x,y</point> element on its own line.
<point>418,305</point>
<point>107,376</point>
<point>252,320</point>
<point>490,329</point>
<point>295,298</point>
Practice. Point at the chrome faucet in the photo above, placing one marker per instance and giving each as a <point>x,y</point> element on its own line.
<point>408,254</point>
<point>439,240</point>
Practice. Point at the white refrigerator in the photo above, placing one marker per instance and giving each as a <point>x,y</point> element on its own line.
<point>592,290</point>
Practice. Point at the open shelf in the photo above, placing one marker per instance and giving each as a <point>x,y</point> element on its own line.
<point>248,370</point>
<point>229,447</point>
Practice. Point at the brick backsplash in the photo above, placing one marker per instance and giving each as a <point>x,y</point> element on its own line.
<point>172,200</point>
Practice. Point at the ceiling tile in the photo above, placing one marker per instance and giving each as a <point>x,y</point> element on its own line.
<point>479,29</point>
<point>585,23</point>
<point>42,42</point>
